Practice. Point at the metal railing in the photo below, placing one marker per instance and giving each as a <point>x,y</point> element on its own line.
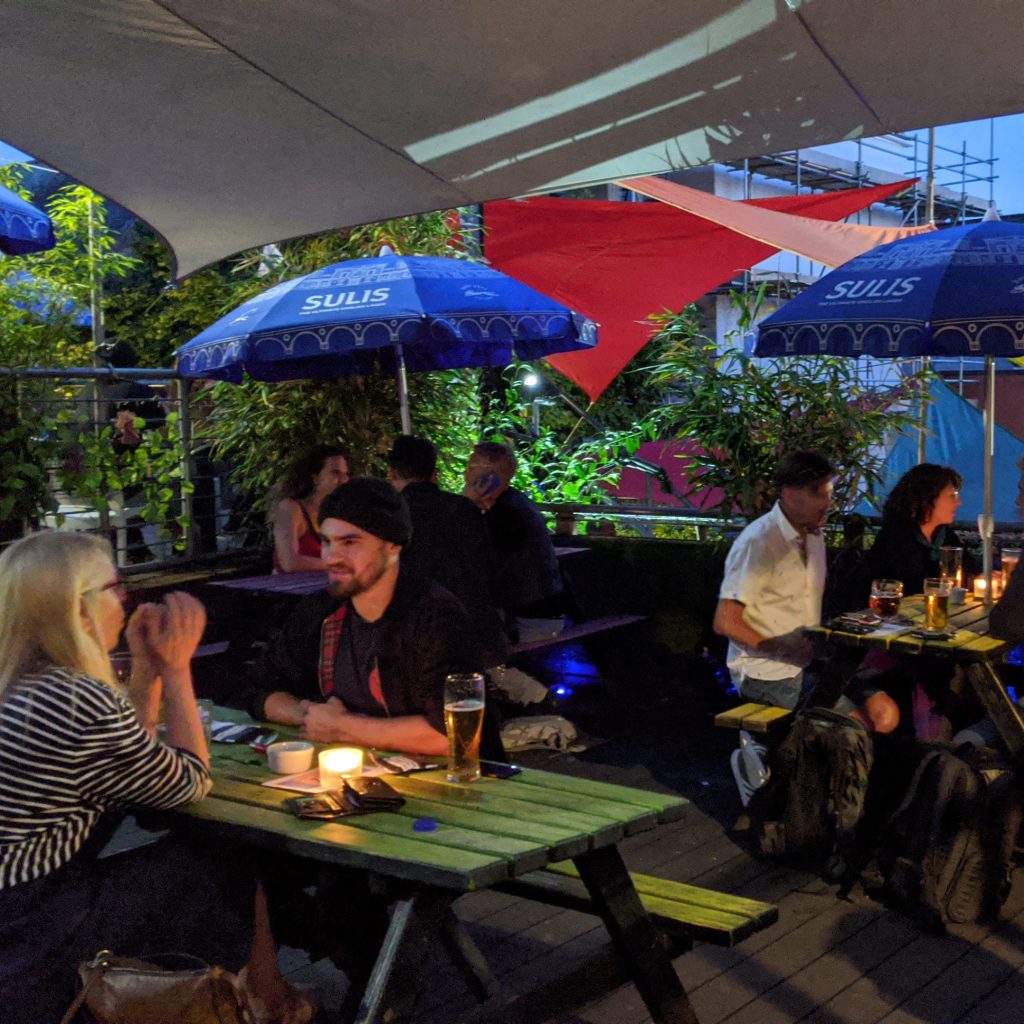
<point>122,458</point>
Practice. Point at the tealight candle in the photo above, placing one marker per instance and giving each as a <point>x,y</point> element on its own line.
<point>997,586</point>
<point>338,764</point>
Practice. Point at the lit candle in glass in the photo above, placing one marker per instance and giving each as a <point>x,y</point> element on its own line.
<point>338,764</point>
<point>979,587</point>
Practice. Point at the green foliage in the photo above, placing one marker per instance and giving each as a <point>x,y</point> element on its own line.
<point>60,281</point>
<point>22,466</point>
<point>745,413</point>
<point>93,467</point>
<point>556,464</point>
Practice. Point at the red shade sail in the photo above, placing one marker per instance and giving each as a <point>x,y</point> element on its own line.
<point>618,263</point>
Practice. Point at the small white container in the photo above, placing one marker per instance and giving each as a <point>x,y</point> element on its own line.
<point>290,757</point>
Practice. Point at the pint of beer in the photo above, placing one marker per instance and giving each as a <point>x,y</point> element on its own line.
<point>936,604</point>
<point>463,721</point>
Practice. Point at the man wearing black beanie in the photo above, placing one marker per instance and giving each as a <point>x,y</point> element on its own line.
<point>364,661</point>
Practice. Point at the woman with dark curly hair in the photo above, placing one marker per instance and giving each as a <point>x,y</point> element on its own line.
<point>916,521</point>
<point>313,475</point>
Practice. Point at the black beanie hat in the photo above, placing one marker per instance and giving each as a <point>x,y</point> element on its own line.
<point>372,505</point>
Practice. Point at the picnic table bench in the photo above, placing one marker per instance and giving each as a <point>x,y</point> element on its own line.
<point>486,835</point>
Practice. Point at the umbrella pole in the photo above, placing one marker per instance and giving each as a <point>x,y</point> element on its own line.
<point>922,417</point>
<point>990,448</point>
<point>403,390</point>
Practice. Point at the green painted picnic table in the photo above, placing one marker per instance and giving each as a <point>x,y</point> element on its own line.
<point>970,645</point>
<point>486,833</point>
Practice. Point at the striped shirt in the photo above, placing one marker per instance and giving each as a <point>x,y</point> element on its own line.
<point>70,749</point>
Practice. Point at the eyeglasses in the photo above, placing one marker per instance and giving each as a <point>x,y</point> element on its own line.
<point>117,585</point>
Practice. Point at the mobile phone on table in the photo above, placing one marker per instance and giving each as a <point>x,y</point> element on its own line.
<point>496,770</point>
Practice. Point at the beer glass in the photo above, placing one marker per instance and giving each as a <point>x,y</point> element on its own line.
<point>951,561</point>
<point>1008,559</point>
<point>463,721</point>
<point>885,598</point>
<point>936,604</point>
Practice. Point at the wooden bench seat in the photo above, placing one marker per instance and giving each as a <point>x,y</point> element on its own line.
<point>577,631</point>
<point>685,913</point>
<point>754,718</point>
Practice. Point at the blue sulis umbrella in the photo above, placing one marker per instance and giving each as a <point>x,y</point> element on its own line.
<point>23,228</point>
<point>954,292</point>
<point>397,312</point>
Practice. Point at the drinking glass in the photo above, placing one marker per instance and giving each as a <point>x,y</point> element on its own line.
<point>205,708</point>
<point>951,561</point>
<point>936,604</point>
<point>1008,559</point>
<point>463,721</point>
<point>885,598</point>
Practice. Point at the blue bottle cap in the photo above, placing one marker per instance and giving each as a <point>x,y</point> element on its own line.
<point>424,825</point>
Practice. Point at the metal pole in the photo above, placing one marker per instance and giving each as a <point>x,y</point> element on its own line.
<point>922,417</point>
<point>990,449</point>
<point>403,390</point>
<point>930,201</point>
<point>187,505</point>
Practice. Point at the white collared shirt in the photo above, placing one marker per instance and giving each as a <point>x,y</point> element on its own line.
<point>780,588</point>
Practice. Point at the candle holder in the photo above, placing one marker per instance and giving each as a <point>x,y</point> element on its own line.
<point>338,764</point>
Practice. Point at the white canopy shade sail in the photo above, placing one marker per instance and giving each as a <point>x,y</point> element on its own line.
<point>227,124</point>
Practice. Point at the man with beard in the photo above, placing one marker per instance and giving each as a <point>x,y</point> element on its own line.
<point>364,661</point>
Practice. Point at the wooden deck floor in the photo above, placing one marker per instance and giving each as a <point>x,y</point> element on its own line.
<point>826,961</point>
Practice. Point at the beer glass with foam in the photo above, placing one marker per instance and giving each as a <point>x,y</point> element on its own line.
<point>885,598</point>
<point>463,721</point>
<point>936,604</point>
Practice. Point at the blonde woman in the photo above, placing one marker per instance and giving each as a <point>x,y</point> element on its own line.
<point>75,746</point>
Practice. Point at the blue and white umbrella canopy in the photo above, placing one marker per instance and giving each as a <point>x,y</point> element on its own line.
<point>23,228</point>
<point>423,312</point>
<point>954,292</point>
<point>957,291</point>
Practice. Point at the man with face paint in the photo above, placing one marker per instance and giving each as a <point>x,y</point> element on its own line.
<point>364,661</point>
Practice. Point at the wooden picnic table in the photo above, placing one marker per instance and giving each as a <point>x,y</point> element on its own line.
<point>487,833</point>
<point>299,584</point>
<point>971,646</point>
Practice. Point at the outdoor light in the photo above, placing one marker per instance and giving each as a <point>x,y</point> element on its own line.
<point>531,380</point>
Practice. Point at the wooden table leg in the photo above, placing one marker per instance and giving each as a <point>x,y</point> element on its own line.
<point>635,936</point>
<point>835,676</point>
<point>996,701</point>
<point>417,923</point>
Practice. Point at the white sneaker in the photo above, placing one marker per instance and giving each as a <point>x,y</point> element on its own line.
<point>748,767</point>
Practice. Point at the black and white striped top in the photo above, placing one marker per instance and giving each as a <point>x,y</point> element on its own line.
<point>70,749</point>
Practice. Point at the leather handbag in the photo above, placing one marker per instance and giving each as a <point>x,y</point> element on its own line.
<point>120,990</point>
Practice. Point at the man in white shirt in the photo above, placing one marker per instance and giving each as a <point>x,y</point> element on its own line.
<point>772,590</point>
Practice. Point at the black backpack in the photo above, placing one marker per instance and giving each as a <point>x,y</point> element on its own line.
<point>810,812</point>
<point>947,852</point>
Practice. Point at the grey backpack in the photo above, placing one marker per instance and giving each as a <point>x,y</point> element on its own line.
<point>947,852</point>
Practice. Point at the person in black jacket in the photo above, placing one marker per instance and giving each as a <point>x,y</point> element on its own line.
<point>449,543</point>
<point>364,661</point>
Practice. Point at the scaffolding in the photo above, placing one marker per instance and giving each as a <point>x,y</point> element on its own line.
<point>957,173</point>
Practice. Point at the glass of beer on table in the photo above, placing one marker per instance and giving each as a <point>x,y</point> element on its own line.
<point>951,563</point>
<point>885,598</point>
<point>936,604</point>
<point>463,721</point>
<point>1008,559</point>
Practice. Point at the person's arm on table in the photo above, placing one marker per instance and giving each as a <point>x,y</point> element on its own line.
<point>793,648</point>
<point>284,674</point>
<point>171,640</point>
<point>144,685</point>
<point>283,707</point>
<point>333,723</point>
